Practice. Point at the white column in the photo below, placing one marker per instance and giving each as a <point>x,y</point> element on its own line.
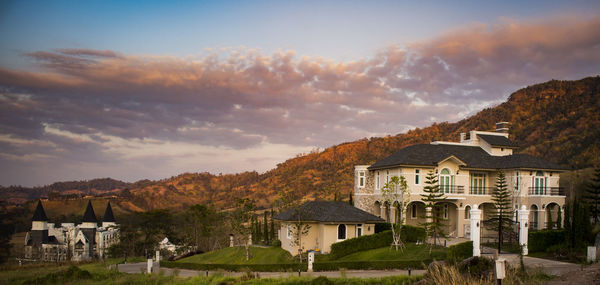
<point>149,265</point>
<point>158,256</point>
<point>524,228</point>
<point>476,230</point>
<point>311,259</point>
<point>231,240</point>
<point>392,214</point>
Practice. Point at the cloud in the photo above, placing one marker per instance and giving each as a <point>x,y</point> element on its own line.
<point>103,106</point>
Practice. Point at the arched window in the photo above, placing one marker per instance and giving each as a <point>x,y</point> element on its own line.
<point>467,212</point>
<point>446,181</point>
<point>341,232</point>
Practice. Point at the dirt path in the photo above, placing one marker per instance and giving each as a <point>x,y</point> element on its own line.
<point>589,275</point>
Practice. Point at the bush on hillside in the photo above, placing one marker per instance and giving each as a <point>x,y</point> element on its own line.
<point>459,251</point>
<point>371,265</point>
<point>539,241</point>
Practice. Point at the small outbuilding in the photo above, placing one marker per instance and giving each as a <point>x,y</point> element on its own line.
<point>316,225</point>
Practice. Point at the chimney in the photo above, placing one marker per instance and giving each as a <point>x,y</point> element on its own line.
<point>502,127</point>
<point>462,137</point>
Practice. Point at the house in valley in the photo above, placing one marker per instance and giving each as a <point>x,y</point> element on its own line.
<point>322,223</point>
<point>467,171</point>
<point>85,241</point>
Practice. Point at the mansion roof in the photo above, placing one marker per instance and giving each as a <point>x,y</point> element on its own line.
<point>471,156</point>
<point>499,141</point>
<point>328,211</point>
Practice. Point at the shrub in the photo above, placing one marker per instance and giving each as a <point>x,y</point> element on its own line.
<point>412,233</point>
<point>276,243</point>
<point>373,264</point>
<point>382,227</point>
<point>237,267</point>
<point>353,245</point>
<point>477,266</point>
<point>459,251</point>
<point>539,241</point>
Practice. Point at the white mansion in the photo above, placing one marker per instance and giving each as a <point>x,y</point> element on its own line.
<point>467,173</point>
<point>85,241</point>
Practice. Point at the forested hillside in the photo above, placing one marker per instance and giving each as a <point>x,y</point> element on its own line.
<point>556,120</point>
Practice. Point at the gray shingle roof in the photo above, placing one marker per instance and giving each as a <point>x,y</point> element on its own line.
<point>328,211</point>
<point>473,156</point>
<point>500,141</point>
<point>108,214</point>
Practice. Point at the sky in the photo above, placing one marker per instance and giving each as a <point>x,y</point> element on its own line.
<point>150,89</point>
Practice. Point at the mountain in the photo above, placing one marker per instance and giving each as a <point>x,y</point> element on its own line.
<point>556,120</point>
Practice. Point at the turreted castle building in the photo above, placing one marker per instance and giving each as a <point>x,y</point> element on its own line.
<point>85,241</point>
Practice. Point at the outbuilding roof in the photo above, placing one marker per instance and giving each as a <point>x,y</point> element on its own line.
<point>500,141</point>
<point>472,156</point>
<point>328,211</point>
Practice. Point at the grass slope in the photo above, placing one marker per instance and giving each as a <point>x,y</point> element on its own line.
<point>411,252</point>
<point>237,255</point>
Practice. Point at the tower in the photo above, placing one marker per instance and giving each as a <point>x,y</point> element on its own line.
<point>89,226</point>
<point>39,225</point>
<point>108,219</point>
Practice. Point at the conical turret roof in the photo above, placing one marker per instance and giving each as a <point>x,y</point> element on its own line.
<point>39,215</point>
<point>108,214</point>
<point>89,216</point>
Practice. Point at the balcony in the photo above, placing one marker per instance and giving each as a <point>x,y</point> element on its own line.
<point>481,190</point>
<point>452,189</point>
<point>546,191</point>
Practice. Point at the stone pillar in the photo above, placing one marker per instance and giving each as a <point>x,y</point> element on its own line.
<point>476,230</point>
<point>392,214</point>
<point>250,239</point>
<point>524,228</point>
<point>383,212</point>
<point>460,223</point>
<point>158,256</point>
<point>149,266</point>
<point>541,219</point>
<point>230,240</point>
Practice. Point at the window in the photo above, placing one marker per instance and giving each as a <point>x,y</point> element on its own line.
<point>413,211</point>
<point>361,179</point>
<point>517,180</point>
<point>289,231</point>
<point>417,171</point>
<point>467,212</point>
<point>378,180</point>
<point>445,211</point>
<point>446,181</point>
<point>478,184</point>
<point>539,183</point>
<point>341,232</point>
<point>387,176</point>
<point>358,230</point>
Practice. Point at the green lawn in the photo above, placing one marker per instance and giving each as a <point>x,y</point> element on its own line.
<point>237,255</point>
<point>411,252</point>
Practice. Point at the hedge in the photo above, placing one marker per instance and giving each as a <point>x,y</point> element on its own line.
<point>382,239</point>
<point>373,264</point>
<point>361,243</point>
<point>539,241</point>
<point>317,266</point>
<point>277,267</point>
<point>459,251</point>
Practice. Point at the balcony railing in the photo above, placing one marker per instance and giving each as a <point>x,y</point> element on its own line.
<point>481,190</point>
<point>452,189</point>
<point>544,191</point>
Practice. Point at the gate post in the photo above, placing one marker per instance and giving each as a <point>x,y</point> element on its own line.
<point>476,230</point>
<point>524,228</point>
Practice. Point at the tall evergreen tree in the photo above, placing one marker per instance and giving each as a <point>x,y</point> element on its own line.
<point>272,225</point>
<point>266,228</point>
<point>592,196</point>
<point>559,219</point>
<point>501,221</point>
<point>432,199</point>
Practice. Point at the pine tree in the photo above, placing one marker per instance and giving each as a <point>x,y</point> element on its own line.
<point>592,196</point>
<point>548,219</point>
<point>559,218</point>
<point>266,229</point>
<point>272,225</point>
<point>501,221</point>
<point>432,198</point>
